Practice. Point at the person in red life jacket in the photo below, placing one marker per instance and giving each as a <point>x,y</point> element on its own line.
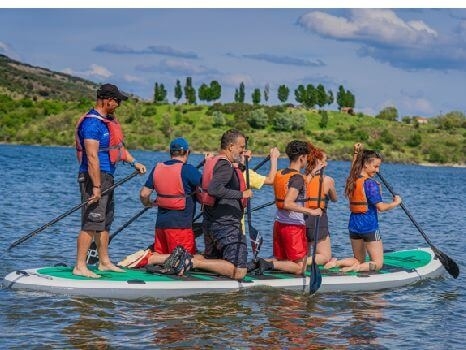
<point>224,198</point>
<point>99,146</point>
<point>316,162</point>
<point>175,183</point>
<point>365,198</point>
<point>289,231</point>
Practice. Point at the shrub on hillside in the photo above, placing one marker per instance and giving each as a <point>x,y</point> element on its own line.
<point>257,119</point>
<point>218,119</point>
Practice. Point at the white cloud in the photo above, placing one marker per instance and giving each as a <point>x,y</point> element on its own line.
<point>417,105</point>
<point>380,26</point>
<point>94,71</point>
<point>133,79</point>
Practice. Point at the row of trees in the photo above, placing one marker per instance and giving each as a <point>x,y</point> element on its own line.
<point>308,96</point>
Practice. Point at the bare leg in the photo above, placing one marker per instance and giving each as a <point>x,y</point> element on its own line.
<point>219,266</point>
<point>83,243</point>
<point>375,251</point>
<point>157,259</point>
<point>295,267</point>
<point>101,240</point>
<point>323,252</point>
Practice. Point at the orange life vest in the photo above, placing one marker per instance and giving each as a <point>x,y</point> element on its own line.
<point>358,199</point>
<point>312,194</point>
<point>204,197</point>
<point>116,149</point>
<point>169,186</point>
<point>280,186</point>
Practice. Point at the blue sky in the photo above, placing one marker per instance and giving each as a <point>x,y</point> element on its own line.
<point>413,59</point>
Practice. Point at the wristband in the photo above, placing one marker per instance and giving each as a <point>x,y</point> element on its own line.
<point>97,186</point>
<point>133,163</point>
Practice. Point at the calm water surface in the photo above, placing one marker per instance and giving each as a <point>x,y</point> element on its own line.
<point>39,183</point>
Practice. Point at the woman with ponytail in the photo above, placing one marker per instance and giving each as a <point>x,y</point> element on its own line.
<point>318,195</point>
<point>365,201</point>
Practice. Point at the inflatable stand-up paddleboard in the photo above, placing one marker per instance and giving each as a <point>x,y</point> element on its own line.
<point>400,268</point>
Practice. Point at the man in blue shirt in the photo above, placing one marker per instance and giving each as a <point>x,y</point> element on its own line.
<point>99,145</point>
<point>175,182</point>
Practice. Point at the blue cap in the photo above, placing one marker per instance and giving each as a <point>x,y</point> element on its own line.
<point>179,144</point>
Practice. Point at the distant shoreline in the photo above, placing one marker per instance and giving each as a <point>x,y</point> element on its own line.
<point>447,165</point>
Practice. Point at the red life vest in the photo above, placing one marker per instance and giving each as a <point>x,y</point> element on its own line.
<point>116,149</point>
<point>204,197</point>
<point>280,186</point>
<point>312,192</point>
<point>169,186</point>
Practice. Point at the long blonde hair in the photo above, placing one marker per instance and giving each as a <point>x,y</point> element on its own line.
<point>363,158</point>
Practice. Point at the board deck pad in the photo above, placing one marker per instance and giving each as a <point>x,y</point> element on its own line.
<point>393,261</point>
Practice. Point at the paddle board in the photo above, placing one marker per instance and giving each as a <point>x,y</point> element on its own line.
<point>400,268</point>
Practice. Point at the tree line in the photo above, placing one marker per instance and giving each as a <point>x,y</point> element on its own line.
<point>307,95</point>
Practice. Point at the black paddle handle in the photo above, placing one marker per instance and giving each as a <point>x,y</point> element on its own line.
<point>315,268</point>
<point>72,210</point>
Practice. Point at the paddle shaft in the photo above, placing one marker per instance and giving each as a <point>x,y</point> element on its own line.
<point>72,210</point>
<point>92,255</point>
<point>316,278</point>
<point>450,265</point>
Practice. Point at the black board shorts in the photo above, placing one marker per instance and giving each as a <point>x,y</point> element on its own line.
<point>323,227</point>
<point>96,216</point>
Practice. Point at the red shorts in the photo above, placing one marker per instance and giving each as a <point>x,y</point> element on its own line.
<point>289,241</point>
<point>166,239</point>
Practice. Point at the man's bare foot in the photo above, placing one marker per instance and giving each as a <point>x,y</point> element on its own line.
<point>109,267</point>
<point>354,267</point>
<point>85,273</point>
<point>331,263</point>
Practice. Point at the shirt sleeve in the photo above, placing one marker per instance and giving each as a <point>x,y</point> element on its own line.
<point>91,129</point>
<point>192,174</point>
<point>256,181</point>
<point>297,182</point>
<point>150,179</point>
<point>373,194</point>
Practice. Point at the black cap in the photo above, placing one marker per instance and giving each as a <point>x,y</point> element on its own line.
<point>110,91</point>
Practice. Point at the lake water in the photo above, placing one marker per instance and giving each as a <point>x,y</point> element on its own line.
<point>39,184</point>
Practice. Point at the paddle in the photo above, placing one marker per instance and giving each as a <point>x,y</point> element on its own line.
<point>93,256</point>
<point>72,210</point>
<point>254,235</point>
<point>316,277</point>
<point>449,264</point>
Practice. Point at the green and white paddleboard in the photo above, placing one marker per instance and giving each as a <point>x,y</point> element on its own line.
<point>400,268</point>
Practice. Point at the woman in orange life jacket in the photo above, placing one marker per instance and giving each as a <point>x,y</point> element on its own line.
<point>316,161</point>
<point>365,199</point>
<point>289,232</point>
<point>175,182</point>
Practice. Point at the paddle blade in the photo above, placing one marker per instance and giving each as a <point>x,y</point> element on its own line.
<point>448,263</point>
<point>256,241</point>
<point>316,279</point>
<point>92,255</point>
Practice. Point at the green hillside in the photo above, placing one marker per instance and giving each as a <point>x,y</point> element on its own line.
<point>28,116</point>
